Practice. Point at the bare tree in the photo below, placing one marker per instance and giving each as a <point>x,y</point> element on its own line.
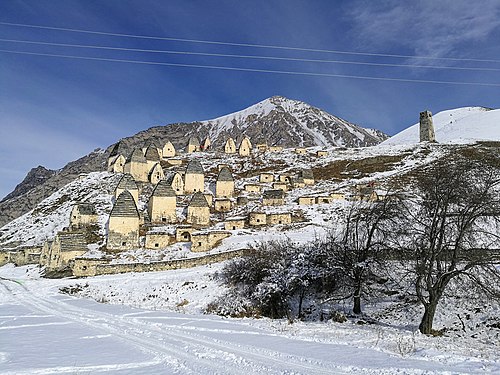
<point>358,250</point>
<point>451,229</point>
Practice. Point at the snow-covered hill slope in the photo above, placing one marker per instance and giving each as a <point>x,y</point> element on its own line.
<point>461,125</point>
<point>52,214</point>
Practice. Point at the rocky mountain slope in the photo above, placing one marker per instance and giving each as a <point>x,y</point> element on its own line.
<point>29,193</point>
<point>277,121</point>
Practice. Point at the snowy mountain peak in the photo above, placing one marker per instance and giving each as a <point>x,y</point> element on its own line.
<point>288,122</point>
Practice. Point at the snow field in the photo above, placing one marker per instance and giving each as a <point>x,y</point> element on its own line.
<point>153,323</point>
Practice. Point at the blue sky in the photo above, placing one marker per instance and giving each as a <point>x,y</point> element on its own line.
<point>54,110</point>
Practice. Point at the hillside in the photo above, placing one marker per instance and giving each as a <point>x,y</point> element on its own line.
<point>33,190</point>
<point>341,169</point>
<point>276,120</point>
<point>461,125</point>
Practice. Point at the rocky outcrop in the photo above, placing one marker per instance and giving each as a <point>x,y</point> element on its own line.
<point>30,192</point>
<point>37,176</point>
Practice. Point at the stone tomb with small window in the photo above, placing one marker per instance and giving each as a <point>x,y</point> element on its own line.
<point>205,241</point>
<point>123,224</point>
<point>158,240</point>
<point>234,223</point>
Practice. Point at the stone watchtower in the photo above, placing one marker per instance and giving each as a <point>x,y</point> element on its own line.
<point>426,127</point>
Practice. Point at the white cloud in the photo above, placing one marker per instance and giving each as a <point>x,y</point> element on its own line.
<point>427,27</point>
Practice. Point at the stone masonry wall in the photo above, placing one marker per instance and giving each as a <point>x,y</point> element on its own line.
<point>92,267</point>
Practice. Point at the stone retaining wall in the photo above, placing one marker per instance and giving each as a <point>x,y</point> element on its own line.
<point>92,267</point>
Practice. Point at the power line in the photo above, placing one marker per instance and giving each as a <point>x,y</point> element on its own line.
<point>256,70</point>
<point>253,45</point>
<point>259,57</point>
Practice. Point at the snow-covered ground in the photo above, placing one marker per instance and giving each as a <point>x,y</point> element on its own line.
<point>153,323</point>
<point>461,125</point>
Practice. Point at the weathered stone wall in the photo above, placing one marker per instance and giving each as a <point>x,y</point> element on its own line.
<point>337,196</point>
<point>224,189</point>
<point>222,205</point>
<point>65,257</point>
<point>273,201</point>
<point>209,198</point>
<point>177,184</point>
<point>309,181</point>
<point>307,201</point>
<point>22,256</point>
<point>61,257</point>
<point>245,148</point>
<point>116,164</point>
<point>4,258</point>
<point>139,171</point>
<point>123,233</point>
<point>257,218</point>
<point>234,224</point>
<point>162,209</point>
<point>266,177</point>
<point>198,215</point>
<point>279,218</point>
<point>280,186</point>
<point>158,240</point>
<point>183,233</point>
<point>205,241</point>
<point>168,150</point>
<point>230,146</point>
<point>253,188</point>
<point>92,267</point>
<point>285,177</point>
<point>194,182</point>
<point>426,127</point>
<point>261,147</point>
<point>77,220</point>
<point>275,149</point>
<point>156,174</point>
<point>45,254</point>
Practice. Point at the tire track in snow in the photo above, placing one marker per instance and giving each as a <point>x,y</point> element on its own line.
<point>193,357</point>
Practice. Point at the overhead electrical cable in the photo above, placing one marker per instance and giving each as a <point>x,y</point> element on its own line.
<point>257,57</point>
<point>255,70</point>
<point>253,45</point>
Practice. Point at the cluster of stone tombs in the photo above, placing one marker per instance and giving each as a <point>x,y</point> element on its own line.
<point>125,222</point>
<point>144,165</point>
